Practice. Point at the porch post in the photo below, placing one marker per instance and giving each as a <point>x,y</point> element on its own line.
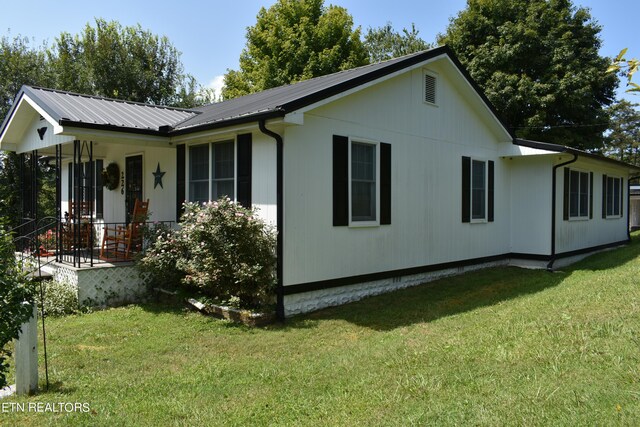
<point>76,195</point>
<point>34,195</point>
<point>58,202</point>
<point>91,200</point>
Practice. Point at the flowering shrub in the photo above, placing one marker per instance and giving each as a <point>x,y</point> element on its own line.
<point>47,241</point>
<point>221,248</point>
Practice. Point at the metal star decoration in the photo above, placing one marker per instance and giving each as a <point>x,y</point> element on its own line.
<point>158,177</point>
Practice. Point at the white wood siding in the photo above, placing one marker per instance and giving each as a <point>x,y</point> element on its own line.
<point>31,140</point>
<point>579,234</point>
<point>264,177</point>
<point>530,183</point>
<point>428,143</point>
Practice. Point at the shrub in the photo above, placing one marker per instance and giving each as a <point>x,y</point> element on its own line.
<point>223,249</point>
<point>15,290</point>
<point>60,298</point>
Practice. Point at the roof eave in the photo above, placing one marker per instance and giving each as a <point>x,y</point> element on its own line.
<point>277,113</point>
<point>564,149</point>
<point>113,128</point>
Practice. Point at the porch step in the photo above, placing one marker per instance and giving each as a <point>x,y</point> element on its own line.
<point>44,275</point>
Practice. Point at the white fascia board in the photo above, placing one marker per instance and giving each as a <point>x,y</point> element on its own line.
<point>208,135</point>
<point>512,150</point>
<point>119,137</point>
<point>57,129</point>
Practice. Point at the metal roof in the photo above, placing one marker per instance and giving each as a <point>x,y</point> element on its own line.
<point>68,108</point>
<point>284,99</point>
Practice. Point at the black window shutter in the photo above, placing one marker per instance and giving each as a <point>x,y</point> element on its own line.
<point>385,183</point>
<point>490,192</point>
<point>604,196</point>
<point>340,180</point>
<point>70,184</point>
<point>180,179</point>
<point>99,190</point>
<point>244,170</point>
<point>590,195</point>
<point>565,196</point>
<point>466,190</point>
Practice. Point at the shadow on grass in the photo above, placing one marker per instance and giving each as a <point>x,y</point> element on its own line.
<point>610,258</point>
<point>441,298</point>
<point>458,294</point>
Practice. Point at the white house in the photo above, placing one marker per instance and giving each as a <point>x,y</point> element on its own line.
<point>377,178</point>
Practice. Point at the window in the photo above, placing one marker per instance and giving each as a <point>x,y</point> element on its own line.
<point>477,190</point>
<point>363,182</point>
<point>612,196</point>
<point>210,183</point>
<point>578,194</point>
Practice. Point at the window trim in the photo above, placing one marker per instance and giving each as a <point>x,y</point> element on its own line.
<point>484,219</point>
<point>579,217</point>
<point>370,223</point>
<point>620,201</point>
<point>210,178</point>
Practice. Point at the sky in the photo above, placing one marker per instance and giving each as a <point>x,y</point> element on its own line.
<point>211,34</point>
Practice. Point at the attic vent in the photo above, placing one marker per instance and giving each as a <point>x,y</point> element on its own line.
<point>429,89</point>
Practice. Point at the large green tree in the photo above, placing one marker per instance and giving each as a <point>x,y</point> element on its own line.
<point>128,63</point>
<point>295,40</point>
<point>20,63</point>
<point>384,42</point>
<point>623,140</point>
<point>538,63</point>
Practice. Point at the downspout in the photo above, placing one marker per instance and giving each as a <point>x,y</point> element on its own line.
<point>553,210</point>
<point>631,178</point>
<point>279,217</point>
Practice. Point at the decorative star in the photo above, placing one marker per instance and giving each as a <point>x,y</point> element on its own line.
<point>158,177</point>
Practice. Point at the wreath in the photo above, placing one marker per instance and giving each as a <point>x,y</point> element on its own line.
<point>111,176</point>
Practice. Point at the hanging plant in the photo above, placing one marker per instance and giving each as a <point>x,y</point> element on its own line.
<point>111,176</point>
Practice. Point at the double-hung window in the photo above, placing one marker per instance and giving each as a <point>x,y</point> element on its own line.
<point>80,186</point>
<point>578,194</point>
<point>477,190</point>
<point>211,171</point>
<point>612,196</point>
<point>361,182</point>
<point>364,180</point>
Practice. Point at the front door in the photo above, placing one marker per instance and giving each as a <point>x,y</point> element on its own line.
<point>133,183</point>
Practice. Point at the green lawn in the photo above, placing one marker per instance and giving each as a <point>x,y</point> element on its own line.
<point>501,346</point>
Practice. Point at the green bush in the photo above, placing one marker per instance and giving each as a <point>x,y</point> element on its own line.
<point>221,248</point>
<point>60,298</point>
<point>15,290</point>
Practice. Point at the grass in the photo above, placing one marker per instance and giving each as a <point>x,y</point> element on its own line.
<point>501,346</point>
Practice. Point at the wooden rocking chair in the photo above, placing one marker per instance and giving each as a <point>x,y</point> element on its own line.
<point>72,229</point>
<point>121,243</point>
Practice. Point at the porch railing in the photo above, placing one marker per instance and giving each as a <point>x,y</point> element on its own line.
<point>77,244</point>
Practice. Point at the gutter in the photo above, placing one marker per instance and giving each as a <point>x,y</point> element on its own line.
<point>279,216</point>
<point>553,209</point>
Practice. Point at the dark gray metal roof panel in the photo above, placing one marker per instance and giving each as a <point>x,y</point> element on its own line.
<point>92,110</point>
<point>289,97</point>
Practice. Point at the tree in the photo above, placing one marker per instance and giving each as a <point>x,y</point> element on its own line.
<point>623,141</point>
<point>626,67</point>
<point>384,42</point>
<point>538,63</point>
<point>122,62</point>
<point>295,40</point>
<point>20,63</point>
